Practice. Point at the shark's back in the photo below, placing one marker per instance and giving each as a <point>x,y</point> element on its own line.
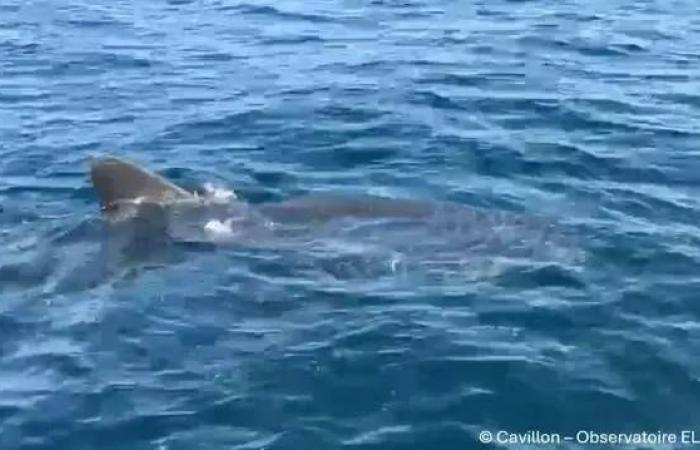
<point>428,231</point>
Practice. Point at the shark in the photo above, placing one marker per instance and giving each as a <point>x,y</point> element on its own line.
<point>324,240</point>
<point>153,207</point>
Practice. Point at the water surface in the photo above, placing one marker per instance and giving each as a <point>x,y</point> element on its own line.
<point>584,113</point>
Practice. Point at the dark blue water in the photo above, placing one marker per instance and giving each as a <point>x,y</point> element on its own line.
<point>584,112</point>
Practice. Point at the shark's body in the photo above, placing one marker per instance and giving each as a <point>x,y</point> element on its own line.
<point>431,230</point>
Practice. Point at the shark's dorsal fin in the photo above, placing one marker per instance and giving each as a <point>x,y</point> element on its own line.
<point>117,181</point>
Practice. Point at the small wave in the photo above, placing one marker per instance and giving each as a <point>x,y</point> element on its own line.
<point>291,40</point>
<point>279,14</point>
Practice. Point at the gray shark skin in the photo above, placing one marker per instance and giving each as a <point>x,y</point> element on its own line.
<point>439,233</point>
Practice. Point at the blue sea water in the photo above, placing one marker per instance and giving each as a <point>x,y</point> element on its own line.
<point>585,112</point>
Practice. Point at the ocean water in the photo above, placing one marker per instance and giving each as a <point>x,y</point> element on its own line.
<point>585,113</point>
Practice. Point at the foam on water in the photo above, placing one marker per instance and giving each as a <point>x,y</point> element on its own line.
<point>218,194</point>
<point>219,230</point>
